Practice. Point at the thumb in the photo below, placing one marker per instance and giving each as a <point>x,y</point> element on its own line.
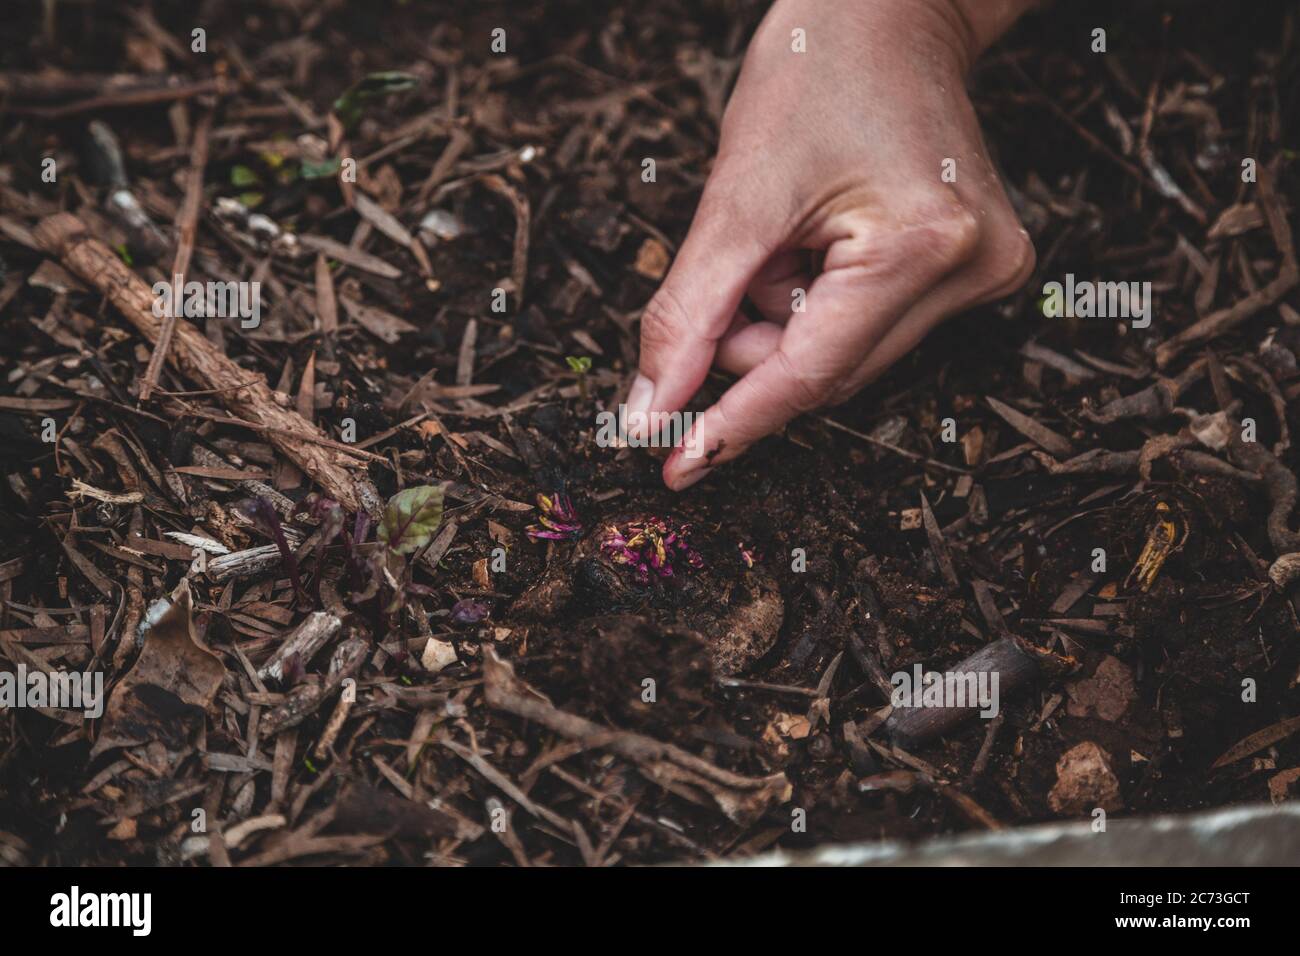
<point>692,310</point>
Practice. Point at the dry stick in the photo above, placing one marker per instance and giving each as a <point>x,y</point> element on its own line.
<point>327,307</point>
<point>1288,276</point>
<point>134,598</point>
<point>187,227</point>
<point>305,640</point>
<point>333,727</point>
<point>1098,461</point>
<point>621,803</point>
<point>523,217</point>
<point>509,787</point>
<point>1088,136</point>
<point>18,86</point>
<point>870,666</point>
<point>1280,484</point>
<point>283,504</point>
<point>986,749</point>
<point>312,438</point>
<point>1035,431</point>
<point>1151,403</point>
<point>880,443</point>
<point>741,798</point>
<point>143,96</point>
<point>337,472</point>
<point>455,148</point>
<point>910,726</point>
<point>938,546</point>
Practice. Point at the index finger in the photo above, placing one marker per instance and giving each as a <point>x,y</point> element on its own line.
<point>865,288</point>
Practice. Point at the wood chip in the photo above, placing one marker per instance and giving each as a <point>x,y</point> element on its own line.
<point>1039,434</point>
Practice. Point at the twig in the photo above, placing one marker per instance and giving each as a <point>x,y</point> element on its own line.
<point>187,222</point>
<point>910,455</point>
<point>743,799</point>
<point>144,96</point>
<point>65,236</point>
<point>1287,277</point>
<point>909,726</point>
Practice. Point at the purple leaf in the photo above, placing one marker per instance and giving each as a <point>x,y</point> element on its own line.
<point>467,612</point>
<point>266,519</point>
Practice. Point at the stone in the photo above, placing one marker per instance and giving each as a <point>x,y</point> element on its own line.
<point>1084,782</point>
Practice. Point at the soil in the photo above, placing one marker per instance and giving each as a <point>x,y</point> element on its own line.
<point>817,574</point>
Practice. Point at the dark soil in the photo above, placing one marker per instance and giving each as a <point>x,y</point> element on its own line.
<point>759,670</point>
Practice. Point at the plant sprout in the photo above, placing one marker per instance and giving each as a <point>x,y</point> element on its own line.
<point>651,547</point>
<point>559,520</point>
<point>580,365</point>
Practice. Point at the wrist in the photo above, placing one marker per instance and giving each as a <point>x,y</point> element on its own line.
<point>986,20</point>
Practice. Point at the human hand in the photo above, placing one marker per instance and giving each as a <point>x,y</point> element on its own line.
<point>829,188</point>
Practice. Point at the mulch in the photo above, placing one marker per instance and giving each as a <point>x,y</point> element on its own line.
<point>356,575</point>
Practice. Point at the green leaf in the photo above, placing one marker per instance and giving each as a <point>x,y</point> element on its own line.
<point>348,106</point>
<point>411,518</point>
<point>243,176</point>
<point>320,169</point>
<point>581,364</point>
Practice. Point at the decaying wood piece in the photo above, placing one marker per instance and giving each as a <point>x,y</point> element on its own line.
<point>909,727</point>
<point>1288,275</point>
<point>1279,484</point>
<point>243,564</point>
<point>1151,403</point>
<point>187,222</point>
<point>338,473</point>
<point>743,799</point>
<point>282,504</point>
<point>1036,432</point>
<point>305,699</point>
<point>1098,461</point>
<point>1285,571</point>
<point>304,640</point>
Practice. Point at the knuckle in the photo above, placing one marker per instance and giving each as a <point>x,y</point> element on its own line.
<point>953,237</point>
<point>1010,262</point>
<point>846,390</point>
<point>808,389</point>
<point>1021,259</point>
<point>663,320</point>
<point>939,234</point>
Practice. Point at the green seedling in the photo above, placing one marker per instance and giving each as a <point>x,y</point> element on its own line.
<point>580,365</point>
<point>375,86</point>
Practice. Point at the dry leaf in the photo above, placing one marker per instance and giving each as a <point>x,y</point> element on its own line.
<point>1258,741</point>
<point>170,688</point>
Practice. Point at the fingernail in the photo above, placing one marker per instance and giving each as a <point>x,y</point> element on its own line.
<point>639,398</point>
<point>690,478</point>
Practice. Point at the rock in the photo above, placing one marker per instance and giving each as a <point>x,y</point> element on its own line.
<point>437,655</point>
<point>1084,782</point>
<point>1107,693</point>
<point>748,624</point>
